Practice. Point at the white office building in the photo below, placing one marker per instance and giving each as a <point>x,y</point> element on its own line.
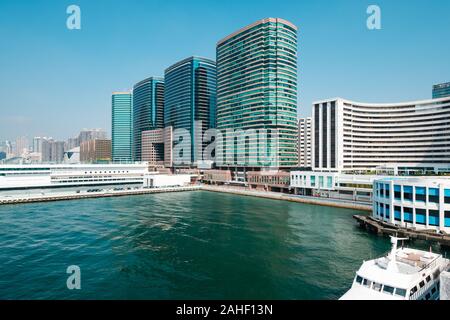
<point>156,180</point>
<point>333,185</point>
<point>305,142</point>
<point>421,203</point>
<point>405,137</point>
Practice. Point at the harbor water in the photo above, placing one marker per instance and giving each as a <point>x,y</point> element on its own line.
<point>186,245</point>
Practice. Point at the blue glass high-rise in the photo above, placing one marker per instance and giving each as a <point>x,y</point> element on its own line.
<point>148,110</point>
<point>190,100</point>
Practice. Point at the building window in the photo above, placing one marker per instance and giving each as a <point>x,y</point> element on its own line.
<point>407,193</point>
<point>447,218</point>
<point>386,188</point>
<point>433,195</point>
<point>420,216</point>
<point>381,210</point>
<point>397,213</point>
<point>313,181</point>
<point>447,195</point>
<point>407,214</point>
<point>397,192</point>
<point>320,181</point>
<point>420,194</point>
<point>387,211</point>
<point>433,217</point>
<point>380,190</point>
<point>329,182</point>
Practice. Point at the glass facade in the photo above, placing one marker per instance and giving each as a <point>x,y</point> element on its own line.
<point>148,110</point>
<point>441,90</point>
<point>122,126</point>
<point>190,100</point>
<point>257,92</point>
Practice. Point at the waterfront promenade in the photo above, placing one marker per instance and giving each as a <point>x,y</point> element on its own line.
<point>339,203</point>
<point>24,197</point>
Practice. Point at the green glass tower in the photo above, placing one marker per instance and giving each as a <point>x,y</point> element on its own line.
<point>257,89</point>
<point>122,126</point>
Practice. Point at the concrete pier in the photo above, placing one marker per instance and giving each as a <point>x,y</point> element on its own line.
<point>383,228</point>
<point>338,203</point>
<point>85,195</point>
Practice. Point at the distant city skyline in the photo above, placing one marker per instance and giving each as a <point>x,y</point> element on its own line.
<point>55,81</point>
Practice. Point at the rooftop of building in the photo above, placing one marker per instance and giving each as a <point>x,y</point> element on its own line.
<point>120,92</point>
<point>384,104</point>
<point>441,85</point>
<point>255,24</point>
<point>429,180</point>
<point>149,79</point>
<point>189,59</point>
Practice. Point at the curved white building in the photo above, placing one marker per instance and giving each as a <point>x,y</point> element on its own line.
<point>422,203</point>
<point>400,137</point>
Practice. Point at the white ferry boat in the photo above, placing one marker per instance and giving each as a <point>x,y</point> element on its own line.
<point>404,274</point>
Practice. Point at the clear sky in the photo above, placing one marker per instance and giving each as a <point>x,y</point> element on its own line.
<point>55,81</point>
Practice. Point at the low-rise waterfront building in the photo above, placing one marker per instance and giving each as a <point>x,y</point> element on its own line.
<point>217,176</point>
<point>421,203</point>
<point>277,181</point>
<point>69,175</point>
<point>332,185</point>
<point>166,180</point>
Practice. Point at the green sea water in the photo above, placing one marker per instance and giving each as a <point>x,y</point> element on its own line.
<point>187,245</point>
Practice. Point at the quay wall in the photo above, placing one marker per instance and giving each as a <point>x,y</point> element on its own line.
<point>73,196</point>
<point>338,203</point>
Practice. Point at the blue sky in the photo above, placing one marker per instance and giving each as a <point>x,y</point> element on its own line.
<point>55,81</point>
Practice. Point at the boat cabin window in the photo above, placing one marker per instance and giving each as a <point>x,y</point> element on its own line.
<point>367,283</point>
<point>428,296</point>
<point>428,279</point>
<point>377,286</point>
<point>400,292</point>
<point>359,279</point>
<point>388,289</point>
<point>421,284</point>
<point>413,290</point>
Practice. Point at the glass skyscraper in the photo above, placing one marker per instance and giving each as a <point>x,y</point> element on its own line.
<point>190,100</point>
<point>441,90</point>
<point>257,89</point>
<point>122,126</point>
<point>148,110</point>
